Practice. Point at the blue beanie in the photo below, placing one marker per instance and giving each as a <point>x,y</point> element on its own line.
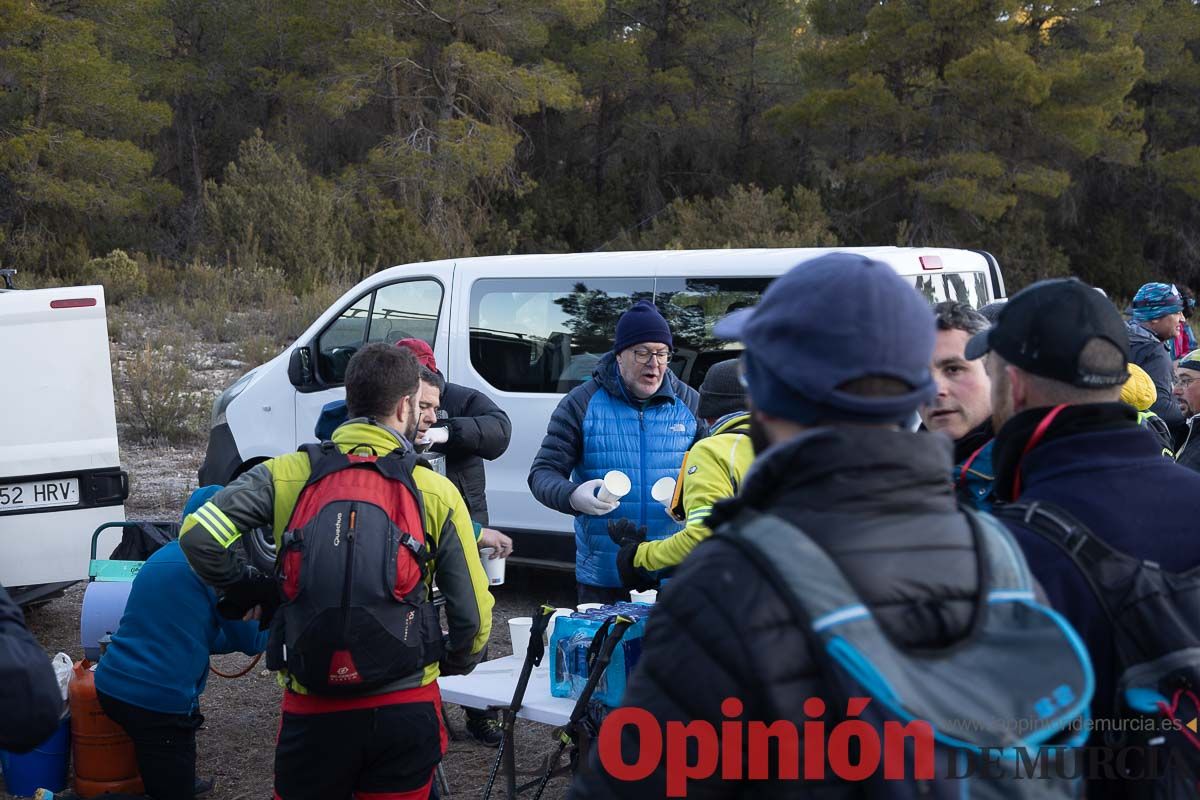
<point>641,323</point>
<point>1155,300</point>
<point>826,323</point>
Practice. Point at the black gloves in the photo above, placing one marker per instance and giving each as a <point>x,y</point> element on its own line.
<point>252,589</point>
<point>633,577</point>
<point>628,536</point>
<point>623,531</point>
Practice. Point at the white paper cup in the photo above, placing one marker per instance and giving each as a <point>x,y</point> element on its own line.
<point>649,596</point>
<point>494,567</point>
<point>518,631</point>
<point>588,606</point>
<point>663,490</point>
<point>616,485</point>
<point>558,612</point>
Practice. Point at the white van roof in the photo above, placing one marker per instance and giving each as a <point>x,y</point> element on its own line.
<point>768,261</point>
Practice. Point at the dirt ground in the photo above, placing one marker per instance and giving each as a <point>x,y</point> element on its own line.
<point>242,716</point>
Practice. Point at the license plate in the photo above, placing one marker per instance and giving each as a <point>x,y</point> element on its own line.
<point>39,494</point>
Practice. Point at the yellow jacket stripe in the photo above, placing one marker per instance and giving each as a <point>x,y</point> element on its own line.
<point>216,523</point>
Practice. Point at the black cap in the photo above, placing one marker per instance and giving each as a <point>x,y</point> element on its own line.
<point>1043,329</point>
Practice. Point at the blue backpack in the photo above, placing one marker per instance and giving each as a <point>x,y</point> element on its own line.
<point>1004,706</point>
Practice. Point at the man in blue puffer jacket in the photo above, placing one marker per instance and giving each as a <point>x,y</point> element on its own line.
<point>635,416</point>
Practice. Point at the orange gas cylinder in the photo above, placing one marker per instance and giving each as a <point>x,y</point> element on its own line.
<point>105,761</point>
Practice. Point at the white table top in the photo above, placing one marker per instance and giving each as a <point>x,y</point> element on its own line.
<point>492,684</point>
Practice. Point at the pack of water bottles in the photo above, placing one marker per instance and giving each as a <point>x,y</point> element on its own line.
<point>569,646</point>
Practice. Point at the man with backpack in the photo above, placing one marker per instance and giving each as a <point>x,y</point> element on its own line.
<point>846,530</point>
<point>1104,520</point>
<point>362,533</point>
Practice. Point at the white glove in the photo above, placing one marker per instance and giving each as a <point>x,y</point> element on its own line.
<point>435,436</point>
<point>585,501</point>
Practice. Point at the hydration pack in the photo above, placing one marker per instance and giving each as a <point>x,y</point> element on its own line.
<point>356,612</point>
<point>989,717</point>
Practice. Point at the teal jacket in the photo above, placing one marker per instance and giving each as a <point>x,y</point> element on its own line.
<point>974,478</point>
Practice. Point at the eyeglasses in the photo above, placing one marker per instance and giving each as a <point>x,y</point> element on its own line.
<point>1186,382</point>
<point>645,356</point>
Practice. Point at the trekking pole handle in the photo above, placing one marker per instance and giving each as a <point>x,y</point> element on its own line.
<point>541,621</point>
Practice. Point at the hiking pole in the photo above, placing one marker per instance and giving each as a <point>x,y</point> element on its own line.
<point>533,658</point>
<point>616,631</point>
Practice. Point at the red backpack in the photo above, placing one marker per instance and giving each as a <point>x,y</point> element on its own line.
<point>356,612</point>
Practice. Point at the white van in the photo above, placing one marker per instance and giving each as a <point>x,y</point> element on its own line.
<point>524,330</point>
<point>60,468</point>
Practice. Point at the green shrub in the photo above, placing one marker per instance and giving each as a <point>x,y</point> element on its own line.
<point>155,398</point>
<point>269,211</point>
<point>121,277</point>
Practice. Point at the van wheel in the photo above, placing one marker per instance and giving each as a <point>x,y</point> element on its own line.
<point>259,547</point>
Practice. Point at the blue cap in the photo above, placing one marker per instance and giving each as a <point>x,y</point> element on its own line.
<point>199,498</point>
<point>825,323</point>
<point>641,324</point>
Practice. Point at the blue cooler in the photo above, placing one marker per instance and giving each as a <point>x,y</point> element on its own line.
<point>43,767</point>
<point>569,648</point>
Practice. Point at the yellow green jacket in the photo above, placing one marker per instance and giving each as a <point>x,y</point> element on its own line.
<point>712,470</point>
<point>266,495</point>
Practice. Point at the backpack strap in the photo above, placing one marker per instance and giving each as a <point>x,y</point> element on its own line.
<point>818,585</point>
<point>1062,529</point>
<point>1091,555</point>
<point>323,459</point>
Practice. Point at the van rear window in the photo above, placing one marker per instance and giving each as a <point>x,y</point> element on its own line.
<point>962,287</point>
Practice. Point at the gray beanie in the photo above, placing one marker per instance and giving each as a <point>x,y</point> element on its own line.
<point>721,393</point>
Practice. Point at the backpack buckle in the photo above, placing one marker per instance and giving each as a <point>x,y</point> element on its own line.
<point>1075,540</point>
<point>419,550</point>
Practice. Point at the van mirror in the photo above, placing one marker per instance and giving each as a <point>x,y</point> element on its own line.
<point>300,371</point>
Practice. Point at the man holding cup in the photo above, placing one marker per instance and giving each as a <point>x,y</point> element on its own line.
<point>610,440</point>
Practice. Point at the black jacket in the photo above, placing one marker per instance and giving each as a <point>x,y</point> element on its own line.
<point>1152,355</point>
<point>880,504</point>
<point>30,701</point>
<point>479,429</point>
<point>1187,453</point>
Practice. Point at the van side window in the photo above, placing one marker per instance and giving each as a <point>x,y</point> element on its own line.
<point>546,335</point>
<point>692,306</point>
<point>404,310</point>
<point>962,287</point>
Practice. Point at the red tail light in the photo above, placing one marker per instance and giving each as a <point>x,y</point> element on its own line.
<point>931,262</point>
<point>75,302</point>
